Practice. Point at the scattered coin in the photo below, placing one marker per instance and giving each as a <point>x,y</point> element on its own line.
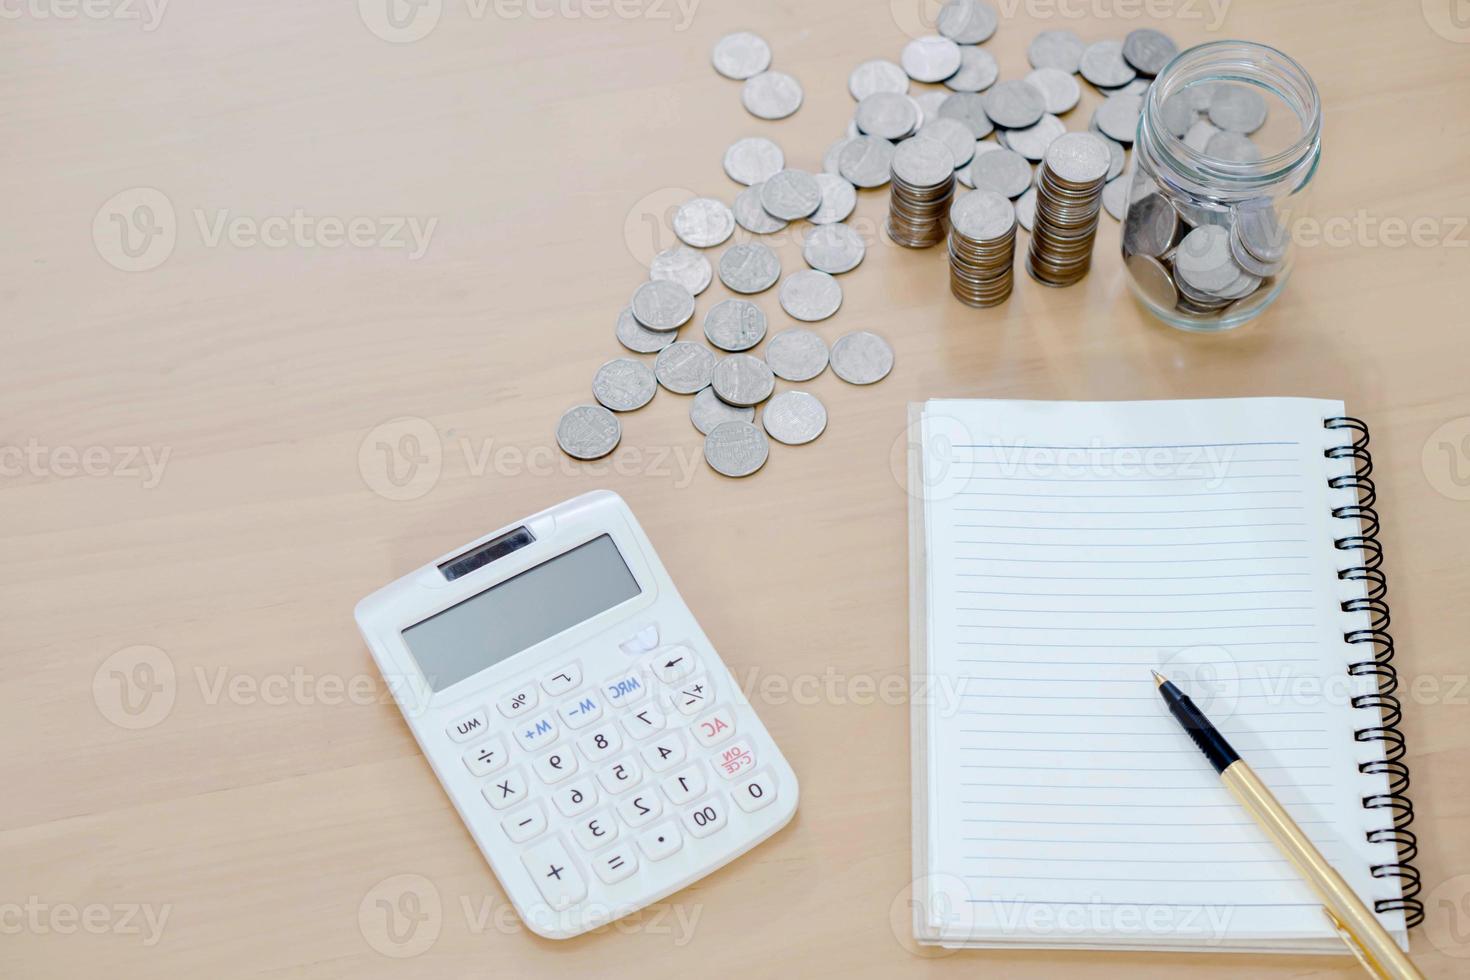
<point>1056,49</point>
<point>967,21</point>
<point>967,108</point>
<point>1117,117</point>
<point>638,338</point>
<point>683,265</point>
<point>1115,197</point>
<point>791,194</point>
<point>810,295</point>
<point>751,216</point>
<point>771,95</point>
<point>660,304</point>
<point>707,411</point>
<point>831,159</point>
<point>977,72</point>
<point>1003,171</point>
<point>867,161</point>
<point>741,55</point>
<point>1032,141</point>
<point>928,104</point>
<point>623,384</point>
<point>955,136</point>
<point>1059,89</point>
<point>588,432</point>
<point>794,418</point>
<point>888,115</point>
<point>838,199</point>
<point>879,75</point>
<point>1026,209</point>
<point>931,58</point>
<point>861,358</point>
<point>749,267</point>
<point>742,379</point>
<point>833,249</point>
<point>1148,50</point>
<point>735,325</point>
<point>796,354</point>
<point>1014,104</point>
<point>684,367</point>
<point>1237,108</point>
<point>1103,65</point>
<point>1116,156</point>
<point>753,160</point>
<point>703,222</point>
<point>736,449</point>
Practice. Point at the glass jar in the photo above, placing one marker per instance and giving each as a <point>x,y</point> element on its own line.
<point>1228,140</point>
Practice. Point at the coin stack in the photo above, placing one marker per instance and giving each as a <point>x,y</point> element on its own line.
<point>982,248</point>
<point>922,187</point>
<point>1068,201</point>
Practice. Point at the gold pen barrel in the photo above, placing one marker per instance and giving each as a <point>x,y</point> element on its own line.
<point>1374,946</point>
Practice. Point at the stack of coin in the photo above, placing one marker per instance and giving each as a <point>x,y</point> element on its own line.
<point>923,184</point>
<point>1068,201</point>
<point>982,248</point>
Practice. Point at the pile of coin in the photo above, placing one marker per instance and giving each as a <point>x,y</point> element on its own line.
<point>1068,202</point>
<point>982,248</point>
<point>922,186</point>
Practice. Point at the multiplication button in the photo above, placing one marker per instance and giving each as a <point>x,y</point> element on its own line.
<point>505,790</point>
<point>555,873</point>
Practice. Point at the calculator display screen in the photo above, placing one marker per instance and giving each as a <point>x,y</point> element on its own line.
<point>520,612</point>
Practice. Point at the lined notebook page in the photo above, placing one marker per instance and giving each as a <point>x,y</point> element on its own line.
<point>1070,548</point>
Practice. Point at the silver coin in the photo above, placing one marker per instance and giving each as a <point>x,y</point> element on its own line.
<point>1115,197</point>
<point>707,411</point>
<point>1235,147</point>
<point>1079,158</point>
<point>662,305</point>
<point>1056,49</point>
<point>1117,117</point>
<point>1203,260</point>
<point>751,216</point>
<point>930,59</point>
<point>1200,134</point>
<point>1026,209</point>
<point>623,384</point>
<point>588,432</point>
<point>879,75</point>
<point>741,55</point>
<point>736,449</point>
<point>861,358</point>
<point>967,21</point>
<point>796,354</point>
<point>749,267</point>
<point>838,199</point>
<point>967,108</point>
<point>831,160</point>
<point>1237,108</point>
<point>753,160</point>
<point>810,295</point>
<point>684,367</point>
<point>1003,171</point>
<point>1150,226</point>
<point>924,162</point>
<point>1249,262</point>
<point>887,114</point>
<point>742,379</point>
<point>1177,114</point>
<point>1116,158</point>
<point>833,249</point>
<point>638,338</point>
<point>867,161</point>
<point>1032,141</point>
<point>683,265</point>
<point>735,325</point>
<point>978,71</point>
<point>771,95</point>
<point>1260,230</point>
<point>1148,50</point>
<point>794,418</point>
<point>791,194</point>
<point>955,136</point>
<point>1014,104</point>
<point>1153,280</point>
<point>983,216</point>
<point>1103,65</point>
<point>703,222</point>
<point>1059,89</point>
<point>928,104</point>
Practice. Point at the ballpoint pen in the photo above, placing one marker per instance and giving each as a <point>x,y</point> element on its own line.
<point>1352,920</point>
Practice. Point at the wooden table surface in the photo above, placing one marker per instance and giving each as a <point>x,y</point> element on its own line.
<point>222,424</point>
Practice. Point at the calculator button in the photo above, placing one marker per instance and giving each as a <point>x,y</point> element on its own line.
<point>619,776</point>
<point>693,695</point>
<point>615,865</point>
<point>525,823</point>
<point>556,875</point>
<point>735,759</point>
<point>486,757</point>
<point>580,711</point>
<point>600,743</point>
<point>555,765</point>
<point>666,752</point>
<point>708,817</point>
<point>625,688</point>
<point>755,792</point>
<point>673,664</point>
<point>471,726</point>
<point>506,790</point>
<point>659,841</point>
<point>642,641</point>
<point>575,798</point>
<point>560,682</point>
<point>640,808</point>
<point>684,785</point>
<point>519,702</point>
<point>534,733</point>
<point>714,727</point>
<point>643,722</point>
<point>596,830</point>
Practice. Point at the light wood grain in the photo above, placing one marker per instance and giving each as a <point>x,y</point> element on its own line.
<point>261,824</point>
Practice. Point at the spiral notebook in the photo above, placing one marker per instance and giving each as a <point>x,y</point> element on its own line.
<point>1059,550</point>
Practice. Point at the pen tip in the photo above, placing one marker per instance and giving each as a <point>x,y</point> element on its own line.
<point>1159,679</point>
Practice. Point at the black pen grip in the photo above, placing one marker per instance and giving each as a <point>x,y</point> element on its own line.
<point>1205,735</point>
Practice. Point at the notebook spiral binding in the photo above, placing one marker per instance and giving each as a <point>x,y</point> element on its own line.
<point>1376,641</point>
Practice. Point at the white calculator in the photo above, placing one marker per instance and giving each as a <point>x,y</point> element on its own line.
<point>593,742</point>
